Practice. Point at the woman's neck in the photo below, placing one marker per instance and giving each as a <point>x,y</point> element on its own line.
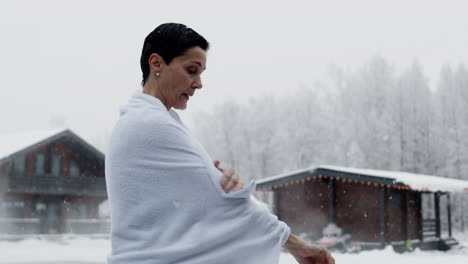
<point>151,88</point>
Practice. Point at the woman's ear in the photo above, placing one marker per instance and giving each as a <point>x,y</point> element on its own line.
<point>156,63</point>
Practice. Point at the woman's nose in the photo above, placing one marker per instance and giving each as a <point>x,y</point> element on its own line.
<point>197,84</point>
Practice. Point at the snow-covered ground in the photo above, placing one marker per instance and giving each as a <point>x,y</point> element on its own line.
<point>83,250</point>
<point>388,256</point>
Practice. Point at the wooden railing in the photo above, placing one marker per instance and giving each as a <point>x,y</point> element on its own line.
<point>88,226</point>
<point>25,226</point>
<point>19,225</point>
<point>48,184</point>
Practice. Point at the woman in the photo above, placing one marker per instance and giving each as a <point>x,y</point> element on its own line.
<point>169,202</point>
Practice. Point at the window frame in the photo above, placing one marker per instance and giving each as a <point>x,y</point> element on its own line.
<point>71,161</point>
<point>36,172</point>
<point>24,165</point>
<point>59,156</point>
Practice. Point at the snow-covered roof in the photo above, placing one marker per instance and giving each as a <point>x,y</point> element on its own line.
<point>415,181</point>
<point>16,142</point>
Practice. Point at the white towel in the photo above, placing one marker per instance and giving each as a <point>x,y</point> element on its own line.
<point>167,205</point>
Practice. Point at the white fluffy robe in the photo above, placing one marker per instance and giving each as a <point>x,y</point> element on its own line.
<point>167,205</point>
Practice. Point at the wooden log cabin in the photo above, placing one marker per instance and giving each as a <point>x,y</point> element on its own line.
<point>50,182</point>
<point>376,208</point>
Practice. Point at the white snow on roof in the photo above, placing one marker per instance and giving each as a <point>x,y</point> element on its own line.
<point>284,175</point>
<point>415,181</point>
<point>12,143</point>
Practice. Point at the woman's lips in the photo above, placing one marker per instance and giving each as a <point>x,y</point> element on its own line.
<point>186,96</point>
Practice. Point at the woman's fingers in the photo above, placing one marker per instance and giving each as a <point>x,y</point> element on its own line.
<point>230,179</point>
<point>227,174</point>
<point>239,186</point>
<point>326,257</point>
<point>226,180</point>
<point>216,163</point>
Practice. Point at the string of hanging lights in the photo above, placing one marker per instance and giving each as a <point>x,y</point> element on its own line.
<point>337,179</point>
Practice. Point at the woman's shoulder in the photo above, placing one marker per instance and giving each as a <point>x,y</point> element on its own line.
<point>144,125</point>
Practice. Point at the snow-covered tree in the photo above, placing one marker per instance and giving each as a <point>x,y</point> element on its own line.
<point>369,118</point>
<point>414,114</point>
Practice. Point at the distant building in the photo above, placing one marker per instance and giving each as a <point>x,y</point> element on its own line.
<point>50,182</point>
<point>376,208</point>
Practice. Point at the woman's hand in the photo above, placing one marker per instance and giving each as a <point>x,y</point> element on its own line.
<point>306,253</point>
<point>230,180</point>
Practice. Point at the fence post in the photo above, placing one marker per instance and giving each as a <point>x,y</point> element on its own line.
<point>382,216</point>
<point>449,215</point>
<point>437,213</point>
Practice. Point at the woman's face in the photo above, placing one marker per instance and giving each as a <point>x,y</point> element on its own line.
<point>180,78</point>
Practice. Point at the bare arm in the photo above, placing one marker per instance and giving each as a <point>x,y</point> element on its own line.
<point>306,253</point>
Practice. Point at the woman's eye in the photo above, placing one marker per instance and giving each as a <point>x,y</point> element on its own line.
<point>191,71</point>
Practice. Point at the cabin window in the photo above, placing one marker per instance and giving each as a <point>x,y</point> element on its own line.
<point>41,206</point>
<point>74,168</point>
<point>19,164</point>
<point>13,208</point>
<point>40,163</point>
<point>56,166</point>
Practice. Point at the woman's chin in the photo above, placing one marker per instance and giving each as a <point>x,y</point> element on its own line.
<point>180,106</point>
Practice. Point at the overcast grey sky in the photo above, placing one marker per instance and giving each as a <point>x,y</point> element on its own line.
<point>79,60</point>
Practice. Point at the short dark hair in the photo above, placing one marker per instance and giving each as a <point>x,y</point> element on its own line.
<point>169,40</point>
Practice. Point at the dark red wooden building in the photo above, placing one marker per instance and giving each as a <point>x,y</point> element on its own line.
<point>376,208</point>
<point>50,182</point>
